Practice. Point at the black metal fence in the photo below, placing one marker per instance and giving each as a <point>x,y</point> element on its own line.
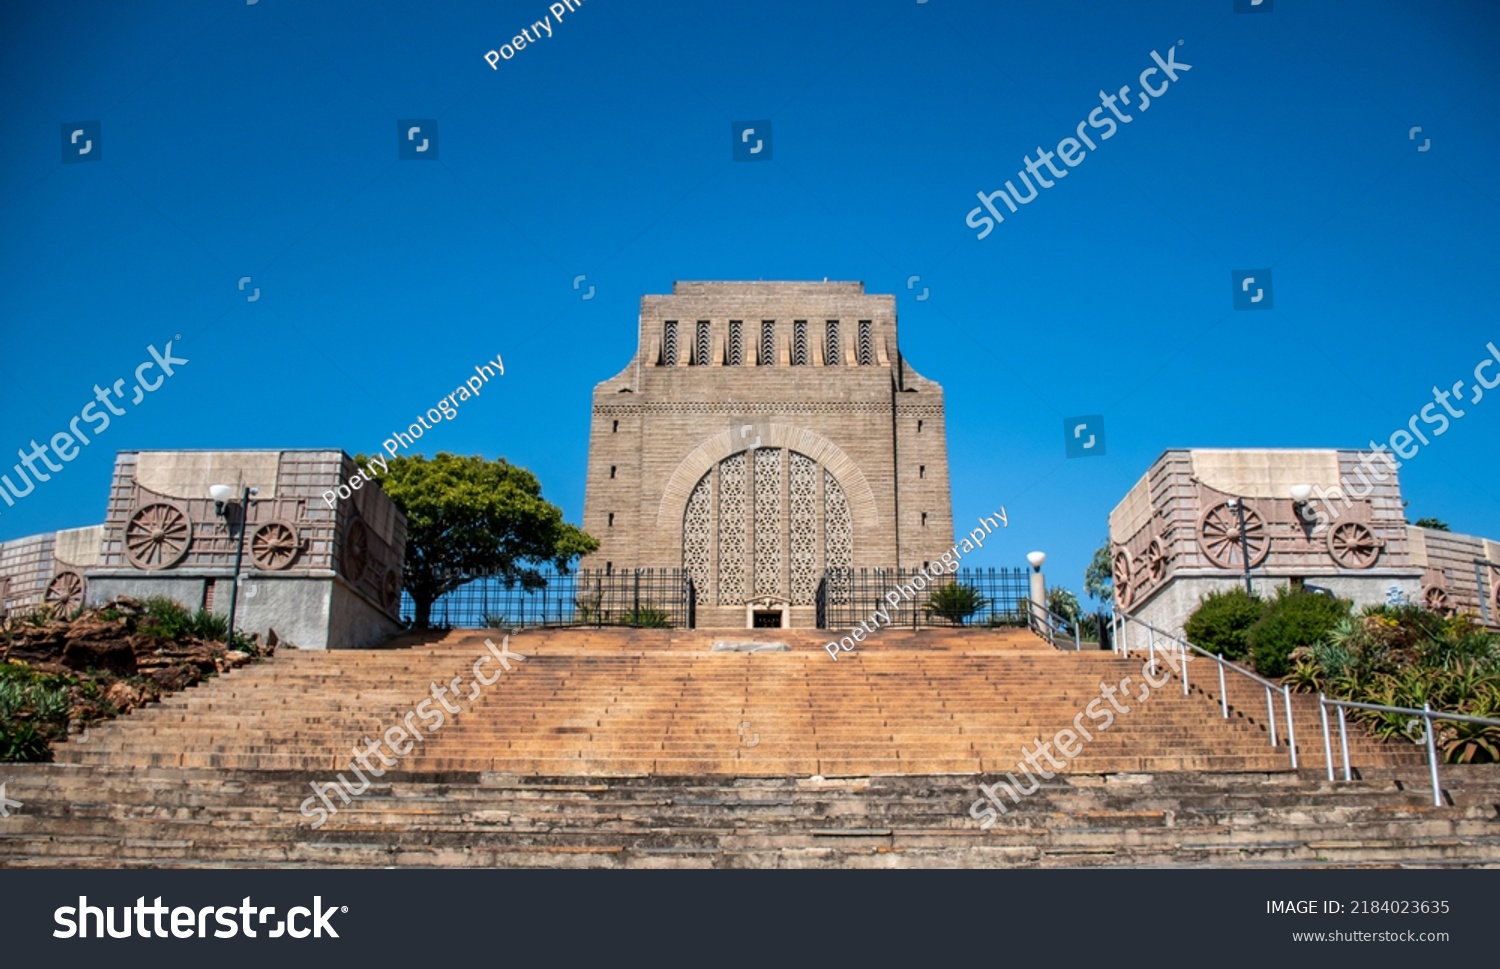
<point>985,597</point>
<point>657,598</point>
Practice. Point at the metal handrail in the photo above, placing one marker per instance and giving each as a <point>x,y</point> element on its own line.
<point>1426,713</point>
<point>1122,647</point>
<point>1051,620</point>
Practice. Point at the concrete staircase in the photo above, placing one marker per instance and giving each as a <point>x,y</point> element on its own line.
<point>632,748</point>
<point>643,701</point>
<point>170,817</point>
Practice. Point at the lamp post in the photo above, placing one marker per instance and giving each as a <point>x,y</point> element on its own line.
<point>223,496</point>
<point>1300,493</point>
<point>1239,512</point>
<point>1038,583</point>
<point>1303,513</point>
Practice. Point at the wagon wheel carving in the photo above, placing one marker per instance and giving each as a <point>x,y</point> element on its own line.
<point>390,590</point>
<point>356,550</point>
<point>1435,597</point>
<point>157,537</point>
<point>1219,536</point>
<point>65,591</point>
<point>1155,560</point>
<point>274,546</point>
<point>1353,546</point>
<point>1121,573</point>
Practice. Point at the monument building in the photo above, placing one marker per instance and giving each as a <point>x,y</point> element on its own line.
<point>766,437</point>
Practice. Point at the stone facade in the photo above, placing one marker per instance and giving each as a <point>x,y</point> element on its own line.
<point>762,434</point>
<point>320,577</point>
<point>1175,537</point>
<point>1458,571</point>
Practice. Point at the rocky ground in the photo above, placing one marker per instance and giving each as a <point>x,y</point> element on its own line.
<point>110,659</point>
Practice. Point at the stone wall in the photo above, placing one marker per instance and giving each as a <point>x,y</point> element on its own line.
<point>26,568</point>
<point>1458,571</point>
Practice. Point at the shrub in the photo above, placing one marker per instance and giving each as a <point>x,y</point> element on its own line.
<point>647,617</point>
<point>1292,620</point>
<point>166,618</point>
<point>33,711</point>
<point>1460,640</point>
<point>1405,655</point>
<point>955,602</point>
<point>169,619</point>
<point>20,741</point>
<point>208,625</point>
<point>1222,620</point>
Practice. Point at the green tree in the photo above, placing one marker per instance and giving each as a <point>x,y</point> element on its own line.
<point>1436,524</point>
<point>1064,603</point>
<point>466,516</point>
<point>1099,577</point>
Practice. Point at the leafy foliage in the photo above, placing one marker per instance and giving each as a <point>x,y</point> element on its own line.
<point>466,517</point>
<point>33,711</point>
<point>1064,603</point>
<point>1222,622</point>
<point>1291,620</point>
<point>1404,656</point>
<point>648,618</point>
<point>1436,524</point>
<point>20,741</point>
<point>168,619</point>
<point>955,602</point>
<point>642,617</point>
<point>37,707</point>
<point>1099,577</point>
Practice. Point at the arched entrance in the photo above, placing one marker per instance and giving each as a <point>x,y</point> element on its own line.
<point>763,525</point>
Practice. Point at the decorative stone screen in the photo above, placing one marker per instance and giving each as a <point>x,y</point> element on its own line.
<point>760,519</point>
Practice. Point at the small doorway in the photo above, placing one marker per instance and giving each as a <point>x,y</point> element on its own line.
<point>767,612</point>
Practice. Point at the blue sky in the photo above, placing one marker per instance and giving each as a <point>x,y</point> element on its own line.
<point>259,140</point>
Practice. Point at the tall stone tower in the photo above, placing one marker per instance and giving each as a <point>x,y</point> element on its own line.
<point>763,434</point>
